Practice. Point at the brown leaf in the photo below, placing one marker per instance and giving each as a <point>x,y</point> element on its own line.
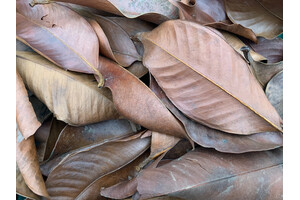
<point>136,102</point>
<point>72,97</point>
<point>271,49</point>
<point>274,6</point>
<point>60,35</point>
<point>29,166</point>
<point>155,11</point>
<point>274,92</point>
<point>74,139</point>
<point>21,187</point>
<point>253,15</point>
<point>262,71</point>
<point>237,44</point>
<point>138,69</point>
<point>212,175</point>
<point>221,141</point>
<point>78,172</point>
<point>41,111</point>
<point>220,93</point>
<point>26,118</point>
<point>211,13</point>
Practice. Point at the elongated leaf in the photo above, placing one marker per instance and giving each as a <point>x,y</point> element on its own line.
<point>21,187</point>
<point>60,35</point>
<point>26,119</point>
<point>237,44</point>
<point>262,71</point>
<point>76,173</point>
<point>253,15</point>
<point>220,93</point>
<point>73,98</point>
<point>72,137</point>
<point>208,174</point>
<point>274,6</point>
<point>29,166</point>
<point>271,49</point>
<point>211,13</point>
<point>220,140</point>
<point>41,136</point>
<point>155,11</point>
<point>274,92</point>
<point>143,107</point>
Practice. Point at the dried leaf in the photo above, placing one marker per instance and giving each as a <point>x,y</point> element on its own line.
<point>59,34</point>
<point>155,11</point>
<point>221,141</point>
<point>262,71</point>
<point>212,175</point>
<point>274,92</point>
<point>41,111</point>
<point>253,15</point>
<point>143,107</point>
<point>138,69</point>
<point>211,13</point>
<point>21,187</point>
<point>41,136</point>
<point>29,166</point>
<point>220,93</point>
<point>76,173</point>
<point>72,97</point>
<point>274,6</point>
<point>26,119</point>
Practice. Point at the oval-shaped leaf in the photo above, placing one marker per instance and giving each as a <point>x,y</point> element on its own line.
<point>220,93</point>
<point>253,15</point>
<point>72,97</point>
<point>274,92</point>
<point>75,174</point>
<point>155,11</point>
<point>209,174</point>
<point>135,101</point>
<point>221,141</point>
<point>60,35</point>
<point>26,119</point>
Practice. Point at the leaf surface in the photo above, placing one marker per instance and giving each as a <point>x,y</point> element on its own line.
<point>274,92</point>
<point>253,15</point>
<point>26,119</point>
<point>76,173</point>
<point>212,175</point>
<point>59,34</point>
<point>221,141</point>
<point>72,97</point>
<point>220,93</point>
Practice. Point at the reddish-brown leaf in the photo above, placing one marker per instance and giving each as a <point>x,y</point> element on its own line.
<point>221,141</point>
<point>212,175</point>
<point>220,93</point>
<point>60,35</point>
<point>26,119</point>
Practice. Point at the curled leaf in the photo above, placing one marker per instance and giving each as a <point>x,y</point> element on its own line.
<point>26,118</point>
<point>72,97</point>
<point>220,93</point>
<point>253,15</point>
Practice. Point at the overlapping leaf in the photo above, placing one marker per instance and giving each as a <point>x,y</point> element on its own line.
<point>155,11</point>
<point>221,141</point>
<point>26,119</point>
<point>220,93</point>
<point>73,98</point>
<point>60,35</point>
<point>212,175</point>
<point>274,92</point>
<point>255,16</point>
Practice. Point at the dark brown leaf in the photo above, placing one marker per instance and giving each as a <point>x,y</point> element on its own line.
<point>220,93</point>
<point>26,119</point>
<point>221,141</point>
<point>212,175</point>
<point>60,35</point>
<point>72,97</point>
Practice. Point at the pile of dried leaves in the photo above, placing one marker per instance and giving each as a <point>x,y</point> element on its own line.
<point>149,99</point>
